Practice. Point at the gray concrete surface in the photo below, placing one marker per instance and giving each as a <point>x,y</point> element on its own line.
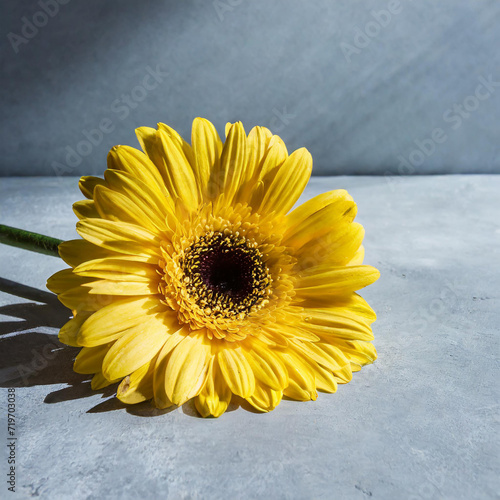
<point>419,424</point>
<point>356,82</point>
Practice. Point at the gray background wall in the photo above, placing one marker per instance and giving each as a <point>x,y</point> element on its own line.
<point>353,86</point>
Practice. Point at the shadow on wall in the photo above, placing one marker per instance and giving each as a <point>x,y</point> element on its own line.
<point>97,28</point>
<point>387,87</point>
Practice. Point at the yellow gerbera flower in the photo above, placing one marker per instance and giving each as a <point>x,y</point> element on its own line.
<point>194,280</point>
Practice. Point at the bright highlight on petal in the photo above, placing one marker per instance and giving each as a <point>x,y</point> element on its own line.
<point>194,280</point>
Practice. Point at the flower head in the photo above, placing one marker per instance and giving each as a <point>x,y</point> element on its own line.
<point>195,280</point>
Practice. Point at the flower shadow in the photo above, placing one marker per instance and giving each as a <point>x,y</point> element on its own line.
<point>34,358</point>
<point>30,357</point>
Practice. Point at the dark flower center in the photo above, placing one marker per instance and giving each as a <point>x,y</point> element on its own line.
<point>225,274</point>
<point>227,270</point>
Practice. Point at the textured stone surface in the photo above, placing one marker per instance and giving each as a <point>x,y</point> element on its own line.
<point>281,64</point>
<point>421,423</point>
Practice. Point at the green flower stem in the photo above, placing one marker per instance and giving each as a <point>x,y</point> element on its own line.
<point>29,241</point>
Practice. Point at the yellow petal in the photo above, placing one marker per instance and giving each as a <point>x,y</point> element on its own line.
<point>342,328</point>
<point>289,182</point>
<point>79,299</point>
<point>148,140</point>
<point>138,386</point>
<point>117,288</point>
<point>88,183</point>
<point>228,178</point>
<point>99,381</point>
<point>264,398</point>
<point>273,159</point>
<point>89,359</point>
<point>358,257</point>
<point>177,172</point>
<point>301,382</point>
<point>121,237</point>
<point>85,209</point>
<point>152,202</point>
<point>65,280</point>
<point>295,391</point>
<point>343,375</point>
<point>161,399</point>
<point>69,332</point>
<point>359,352</point>
<point>257,191</point>
<point>266,365</point>
<point>329,363</point>
<point>266,172</point>
<point>137,165</point>
<point>237,371</point>
<point>335,248</point>
<point>215,396</point>
<point>74,252</point>
<point>138,345</point>
<point>292,331</point>
<point>187,368</point>
<point>351,306</point>
<point>325,379</point>
<point>115,206</point>
<point>271,336</point>
<point>175,339</point>
<point>117,269</point>
<point>355,367</point>
<point>111,321</point>
<point>258,143</point>
<point>318,216</point>
<point>340,322</point>
<point>323,354</point>
<point>180,142</point>
<point>207,149</point>
<point>323,281</point>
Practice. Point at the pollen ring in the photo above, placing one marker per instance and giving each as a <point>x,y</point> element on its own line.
<point>226,275</point>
